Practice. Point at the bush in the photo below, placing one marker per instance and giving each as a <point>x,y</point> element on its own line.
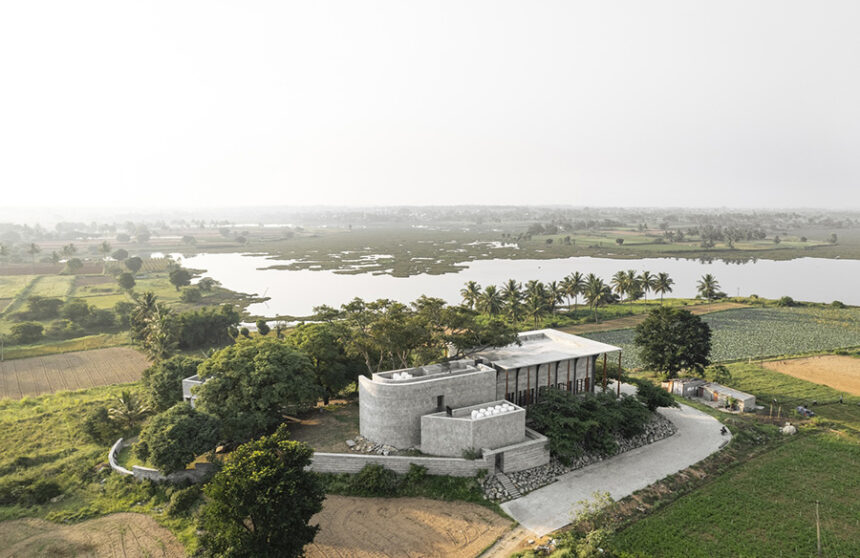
<point>26,332</point>
<point>576,424</point>
<point>98,427</point>
<point>182,501</point>
<point>64,329</point>
<point>27,492</point>
<point>653,396</point>
<point>42,308</point>
<point>374,480</point>
<point>75,309</point>
<point>785,302</point>
<point>837,304</point>
<point>190,294</point>
<point>99,318</point>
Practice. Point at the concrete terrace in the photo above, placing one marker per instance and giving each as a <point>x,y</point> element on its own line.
<point>543,346</point>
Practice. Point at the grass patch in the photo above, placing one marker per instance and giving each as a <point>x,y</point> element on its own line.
<point>326,429</point>
<point>99,341</point>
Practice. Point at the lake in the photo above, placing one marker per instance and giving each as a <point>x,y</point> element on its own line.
<point>295,293</point>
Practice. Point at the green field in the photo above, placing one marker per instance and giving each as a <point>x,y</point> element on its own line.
<point>11,285</point>
<point>765,507</point>
<point>762,332</point>
<point>52,286</point>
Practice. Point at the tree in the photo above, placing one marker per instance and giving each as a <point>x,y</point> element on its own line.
<point>104,250</point>
<point>24,333</point>
<point>470,333</point>
<point>120,254</point>
<point>512,297</point>
<point>323,344</point>
<point>490,301</point>
<point>260,503</point>
<point>597,293</point>
<point>663,284</point>
<point>833,239</point>
<point>555,295</point>
<point>134,264</point>
<point>128,410</point>
<point>74,265</point>
<point>708,288</point>
<point>206,327</point>
<point>173,439</point>
<point>671,340</point>
<point>126,281</point>
<point>33,249</point>
<point>162,381</point>
<point>647,282</point>
<point>262,327</point>
<point>179,277</point>
<point>471,293</point>
<point>252,384</point>
<point>69,250</point>
<point>535,300</point>
<point>190,295</point>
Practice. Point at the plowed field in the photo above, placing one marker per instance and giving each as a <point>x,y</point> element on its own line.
<point>838,372</point>
<point>403,527</point>
<point>101,367</point>
<point>128,535</point>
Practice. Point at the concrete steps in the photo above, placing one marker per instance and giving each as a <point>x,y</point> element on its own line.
<point>508,485</point>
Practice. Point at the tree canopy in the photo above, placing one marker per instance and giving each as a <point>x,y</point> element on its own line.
<point>671,340</point>
<point>260,503</point>
<point>163,380</point>
<point>252,384</point>
<point>323,343</point>
<point>173,439</point>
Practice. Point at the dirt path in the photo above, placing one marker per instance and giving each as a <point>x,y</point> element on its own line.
<point>633,321</point>
<point>838,372</point>
<point>403,527</point>
<point>82,369</point>
<point>128,535</point>
<point>514,541</point>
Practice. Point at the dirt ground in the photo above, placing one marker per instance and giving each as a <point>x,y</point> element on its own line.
<point>327,429</point>
<point>632,321</point>
<point>128,535</point>
<point>403,527</point>
<point>838,372</point>
<point>83,369</point>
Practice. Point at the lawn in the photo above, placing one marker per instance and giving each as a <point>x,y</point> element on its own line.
<point>762,332</point>
<point>765,507</point>
<point>326,429</point>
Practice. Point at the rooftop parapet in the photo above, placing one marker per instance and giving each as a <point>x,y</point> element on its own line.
<point>430,372</point>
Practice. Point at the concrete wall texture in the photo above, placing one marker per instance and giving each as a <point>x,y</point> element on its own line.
<point>353,463</point>
<point>390,412</point>
<point>533,452</point>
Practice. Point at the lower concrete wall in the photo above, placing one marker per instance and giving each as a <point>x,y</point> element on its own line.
<point>112,455</point>
<point>353,463</point>
<point>534,452</point>
<point>200,472</point>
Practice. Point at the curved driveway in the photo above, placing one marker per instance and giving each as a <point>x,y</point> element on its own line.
<point>549,508</point>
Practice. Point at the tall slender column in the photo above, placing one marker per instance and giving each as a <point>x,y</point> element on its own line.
<point>619,373</point>
<point>604,371</point>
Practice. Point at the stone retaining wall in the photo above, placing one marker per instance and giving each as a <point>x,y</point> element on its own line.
<point>200,472</point>
<point>112,455</point>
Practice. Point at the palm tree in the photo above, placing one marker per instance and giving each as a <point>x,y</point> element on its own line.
<point>33,249</point>
<point>634,287</point>
<point>708,287</point>
<point>512,296</point>
<point>573,286</point>
<point>69,250</point>
<point>536,303</point>
<point>596,292</point>
<point>490,301</point>
<point>160,336</point>
<point>620,284</point>
<point>470,294</point>
<point>663,284</point>
<point>555,295</point>
<point>105,250</point>
<point>128,410</point>
<point>647,281</point>
<point>4,250</point>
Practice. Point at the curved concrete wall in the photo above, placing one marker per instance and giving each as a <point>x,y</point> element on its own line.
<point>390,412</point>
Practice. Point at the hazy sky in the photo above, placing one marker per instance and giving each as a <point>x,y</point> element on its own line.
<point>732,103</point>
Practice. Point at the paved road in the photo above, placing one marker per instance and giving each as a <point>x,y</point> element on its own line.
<point>549,508</point>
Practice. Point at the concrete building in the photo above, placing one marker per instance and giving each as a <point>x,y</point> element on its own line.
<point>187,384</point>
<point>478,404</point>
<point>709,392</point>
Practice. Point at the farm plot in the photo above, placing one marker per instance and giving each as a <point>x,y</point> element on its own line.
<point>130,535</point>
<point>52,285</point>
<point>68,371</point>
<point>838,372</point>
<point>762,332</point>
<point>11,285</point>
<point>371,527</point>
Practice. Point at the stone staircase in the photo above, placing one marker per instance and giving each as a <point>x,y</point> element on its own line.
<point>508,485</point>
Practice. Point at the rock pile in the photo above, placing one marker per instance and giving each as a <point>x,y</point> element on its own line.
<point>493,489</point>
<point>362,445</point>
<point>531,479</point>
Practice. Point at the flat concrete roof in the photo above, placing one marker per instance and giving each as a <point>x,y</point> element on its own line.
<point>432,371</point>
<point>542,346</point>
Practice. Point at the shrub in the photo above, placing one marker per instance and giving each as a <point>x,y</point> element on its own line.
<point>190,294</point>
<point>416,474</point>
<point>99,318</point>
<point>471,454</point>
<point>653,396</point>
<point>75,309</point>
<point>182,501</point>
<point>374,480</point>
<point>785,302</point>
<point>26,332</point>
<point>837,304</point>
<point>64,329</point>
<point>98,427</point>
